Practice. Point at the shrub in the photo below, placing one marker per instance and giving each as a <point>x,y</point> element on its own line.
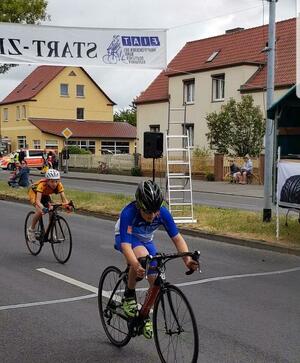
<point>201,151</point>
<point>136,171</point>
<point>210,177</point>
<point>77,150</point>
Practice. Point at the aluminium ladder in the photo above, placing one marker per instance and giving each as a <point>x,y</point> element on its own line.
<point>179,178</point>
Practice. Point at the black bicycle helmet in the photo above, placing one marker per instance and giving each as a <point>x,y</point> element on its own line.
<point>149,196</point>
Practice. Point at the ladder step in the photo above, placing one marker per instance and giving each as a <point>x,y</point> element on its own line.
<point>177,149</point>
<point>180,190</point>
<point>178,162</point>
<point>177,136</point>
<point>185,220</point>
<point>186,203</point>
<point>178,176</point>
<point>177,198</point>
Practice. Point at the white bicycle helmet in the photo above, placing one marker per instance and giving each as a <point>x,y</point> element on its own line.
<point>52,174</point>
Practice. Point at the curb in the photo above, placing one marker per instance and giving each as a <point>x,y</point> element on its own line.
<point>137,182</point>
<point>190,232</point>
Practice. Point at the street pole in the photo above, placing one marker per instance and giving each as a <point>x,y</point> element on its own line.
<point>269,138</point>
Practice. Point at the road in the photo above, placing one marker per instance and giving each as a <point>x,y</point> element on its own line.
<point>246,301</point>
<point>204,198</point>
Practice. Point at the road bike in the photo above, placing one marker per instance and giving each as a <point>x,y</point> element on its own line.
<point>174,324</point>
<point>57,233</point>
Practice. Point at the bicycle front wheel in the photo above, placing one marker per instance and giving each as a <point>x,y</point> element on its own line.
<point>61,240</point>
<point>175,328</point>
<point>35,246</point>
<point>110,293</point>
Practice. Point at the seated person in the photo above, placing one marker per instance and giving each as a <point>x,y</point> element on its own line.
<point>22,176</point>
<point>39,196</point>
<point>13,182</point>
<point>246,170</point>
<point>234,169</point>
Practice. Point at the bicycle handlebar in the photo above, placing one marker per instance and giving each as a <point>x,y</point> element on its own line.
<point>164,258</point>
<point>55,206</point>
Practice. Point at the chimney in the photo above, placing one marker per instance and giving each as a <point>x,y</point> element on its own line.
<point>234,30</point>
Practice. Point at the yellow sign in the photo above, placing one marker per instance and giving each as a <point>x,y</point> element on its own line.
<point>67,133</point>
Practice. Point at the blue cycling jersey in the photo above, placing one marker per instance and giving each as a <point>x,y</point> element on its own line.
<point>131,226</point>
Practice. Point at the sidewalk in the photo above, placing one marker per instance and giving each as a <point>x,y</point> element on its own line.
<point>249,190</point>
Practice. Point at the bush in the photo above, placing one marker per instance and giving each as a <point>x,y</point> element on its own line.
<point>201,151</point>
<point>210,177</point>
<point>77,150</point>
<point>136,171</point>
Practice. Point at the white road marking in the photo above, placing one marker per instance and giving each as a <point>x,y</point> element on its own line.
<point>18,306</point>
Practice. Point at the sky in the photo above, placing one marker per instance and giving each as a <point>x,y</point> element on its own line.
<point>185,21</point>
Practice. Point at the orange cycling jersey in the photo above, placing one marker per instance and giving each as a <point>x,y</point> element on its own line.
<point>42,187</point>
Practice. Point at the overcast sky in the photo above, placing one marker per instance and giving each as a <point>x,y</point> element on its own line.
<point>185,21</point>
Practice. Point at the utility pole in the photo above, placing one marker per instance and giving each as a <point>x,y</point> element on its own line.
<point>268,174</point>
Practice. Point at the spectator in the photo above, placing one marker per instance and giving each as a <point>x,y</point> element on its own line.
<point>22,155</point>
<point>12,182</point>
<point>246,170</point>
<point>21,177</point>
<point>234,171</point>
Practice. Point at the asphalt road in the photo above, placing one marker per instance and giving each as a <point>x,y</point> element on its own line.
<point>246,301</point>
<point>204,198</point>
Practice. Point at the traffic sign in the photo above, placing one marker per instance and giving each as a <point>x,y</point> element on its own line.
<point>67,133</point>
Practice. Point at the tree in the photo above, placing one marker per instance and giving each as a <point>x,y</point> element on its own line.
<point>126,115</point>
<point>237,129</point>
<point>22,11</point>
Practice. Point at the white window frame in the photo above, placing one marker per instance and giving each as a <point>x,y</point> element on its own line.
<point>78,87</point>
<point>24,115</point>
<point>114,146</point>
<point>154,128</point>
<point>51,144</point>
<point>64,92</point>
<point>84,144</point>
<point>218,87</point>
<point>189,129</point>
<point>18,113</point>
<point>36,144</point>
<point>21,142</point>
<point>5,114</point>
<point>189,91</point>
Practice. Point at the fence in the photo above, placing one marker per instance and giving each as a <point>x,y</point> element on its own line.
<point>119,162</point>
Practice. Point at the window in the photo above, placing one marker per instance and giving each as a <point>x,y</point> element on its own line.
<point>212,56</point>
<point>189,130</point>
<point>36,144</point>
<point>83,144</point>
<point>51,144</point>
<point>80,113</point>
<point>21,142</point>
<point>154,128</point>
<point>115,147</point>
<point>23,111</point>
<point>18,113</point>
<point>80,90</point>
<point>64,89</point>
<point>218,87</point>
<point>5,114</point>
<point>188,90</point>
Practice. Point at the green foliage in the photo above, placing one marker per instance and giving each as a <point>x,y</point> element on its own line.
<point>136,171</point>
<point>77,150</point>
<point>237,129</point>
<point>22,11</point>
<point>201,151</point>
<point>210,177</point>
<point>126,115</point>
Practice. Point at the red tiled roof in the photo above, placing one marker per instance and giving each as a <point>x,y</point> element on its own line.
<point>241,47</point>
<point>95,129</point>
<point>36,81</point>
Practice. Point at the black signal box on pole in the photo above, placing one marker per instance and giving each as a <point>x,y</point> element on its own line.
<point>153,145</point>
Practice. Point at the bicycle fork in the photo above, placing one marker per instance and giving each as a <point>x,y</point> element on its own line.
<point>168,329</point>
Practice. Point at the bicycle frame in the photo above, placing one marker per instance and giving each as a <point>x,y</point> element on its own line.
<point>52,219</point>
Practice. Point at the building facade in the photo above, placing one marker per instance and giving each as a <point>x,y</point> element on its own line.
<point>206,73</point>
<point>53,98</point>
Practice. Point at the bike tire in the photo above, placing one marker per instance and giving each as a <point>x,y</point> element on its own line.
<point>175,328</point>
<point>33,247</point>
<point>61,240</point>
<point>111,289</point>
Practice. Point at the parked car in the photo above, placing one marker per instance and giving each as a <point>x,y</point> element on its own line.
<point>34,159</point>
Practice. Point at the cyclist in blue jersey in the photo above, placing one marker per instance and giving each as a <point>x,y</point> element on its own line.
<point>134,233</point>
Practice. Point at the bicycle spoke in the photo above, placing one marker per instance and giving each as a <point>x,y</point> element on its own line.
<point>61,240</point>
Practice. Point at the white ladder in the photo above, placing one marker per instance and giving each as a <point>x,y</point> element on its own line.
<point>179,178</point>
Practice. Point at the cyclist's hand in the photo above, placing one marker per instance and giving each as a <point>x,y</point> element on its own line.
<point>68,208</point>
<point>138,269</point>
<point>50,207</point>
<point>192,264</point>
<point>45,210</point>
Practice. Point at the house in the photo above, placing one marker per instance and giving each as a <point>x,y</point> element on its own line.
<point>54,98</point>
<point>206,73</point>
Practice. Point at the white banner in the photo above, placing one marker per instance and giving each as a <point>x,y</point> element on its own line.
<point>288,184</point>
<point>51,45</point>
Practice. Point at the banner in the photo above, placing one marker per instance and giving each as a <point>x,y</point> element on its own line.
<point>288,184</point>
<point>51,45</point>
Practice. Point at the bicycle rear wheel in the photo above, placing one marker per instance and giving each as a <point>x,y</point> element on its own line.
<point>61,240</point>
<point>34,247</point>
<point>175,328</point>
<point>110,293</point>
